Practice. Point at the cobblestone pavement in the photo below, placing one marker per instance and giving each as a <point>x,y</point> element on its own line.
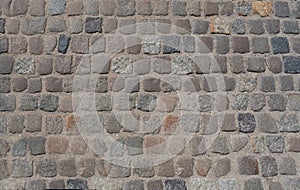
<point>161,77</point>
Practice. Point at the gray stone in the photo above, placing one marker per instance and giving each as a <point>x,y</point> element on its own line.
<point>56,24</point>
<point>57,184</point>
<point>266,123</point>
<point>119,171</point>
<point>6,64</point>
<point>107,7</point>
<point>2,25</point>
<point>275,186</point>
<point>46,167</point>
<point>282,9</point>
<point>151,45</point>
<point>49,103</point>
<point>296,45</point>
<point>286,83</point>
<point>91,8</point>
<point>257,102</point>
<point>5,84</point>
<point>203,184</point>
<point>75,25</point>
<point>199,26</point>
<point>292,183</point>
<point>160,8</point>
<point>53,125</point>
<point>117,148</point>
<point>7,102</point>
<point>170,44</point>
<point>260,45</point>
<point>44,66</point>
<point>4,45</point>
<point>280,45</point>
<point>277,102</point>
<point>3,124</point>
<point>203,166</point>
<point>246,122</point>
<point>4,148</point>
<point>112,124</point>
<point>268,166</point>
<point>243,8</point>
<point>133,184</point>
<point>274,64</point>
<point>16,124</point>
<point>63,64</point>
<point>80,44</point>
<point>275,143</point>
<point>222,167</point>
<point>239,142</point>
<point>287,166</point>
<point>28,103</point>
<point>175,184</point>
<point>3,166</point>
<point>248,165</point>
<point>155,185</point>
<point>22,168</point>
<point>211,8</point>
<point>122,65</point>
<point>291,64</point>
<point>19,148</point>
<point>144,7</point>
<point>77,184</point>
<point>222,43</point>
<point>182,65</point>
<point>34,85</point>
<point>246,83</point>
<point>103,103</point>
<point>127,26</point>
<point>240,44</point>
<point>256,27</point>
<point>134,145</point>
<point>239,26</point>
<point>228,184</point>
<point>289,123</point>
<point>56,7</point>
<point>273,26</point>
<point>267,84</point>
<point>33,123</point>
<point>36,184</point>
<point>236,64</point>
<point>66,167</point>
<point>63,43</point>
<point>151,85</point>
<point>146,102</point>
<point>253,183</point>
<point>290,27</point>
<point>220,145</point>
<point>294,102</point>
<point>189,44</point>
<point>93,25</point>
<point>240,102</point>
<point>36,145</point>
<point>125,8</point>
<point>179,8</point>
<point>25,66</point>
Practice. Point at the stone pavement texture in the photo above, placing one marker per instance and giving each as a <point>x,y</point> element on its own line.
<point>140,70</point>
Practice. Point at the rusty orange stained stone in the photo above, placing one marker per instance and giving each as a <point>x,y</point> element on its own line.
<point>170,124</point>
<point>263,8</point>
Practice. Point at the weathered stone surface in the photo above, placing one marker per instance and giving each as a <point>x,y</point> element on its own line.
<point>276,102</point>
<point>222,167</point>
<point>262,8</point>
<point>220,26</point>
<point>77,184</point>
<point>25,66</point>
<point>151,45</point>
<point>221,145</point>
<point>238,142</point>
<point>57,145</point>
<point>125,8</point>
<point>49,103</point>
<point>22,168</point>
<point>253,183</point>
<point>6,64</point>
<point>46,167</point>
<point>276,144</point>
<point>175,184</point>
<point>287,166</point>
<point>268,166</point>
<point>281,9</point>
<point>288,123</point>
<point>240,102</point>
<point>243,8</point>
<point>203,166</point>
<point>4,148</point>
<point>226,184</point>
<point>248,165</point>
<point>291,64</point>
<point>280,45</point>
<point>247,122</point>
<point>56,7</point>
<point>267,84</point>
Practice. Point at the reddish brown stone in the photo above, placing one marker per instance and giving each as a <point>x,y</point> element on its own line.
<point>66,104</point>
<point>171,122</point>
<point>57,145</point>
<point>263,8</point>
<point>154,144</point>
<point>78,146</point>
